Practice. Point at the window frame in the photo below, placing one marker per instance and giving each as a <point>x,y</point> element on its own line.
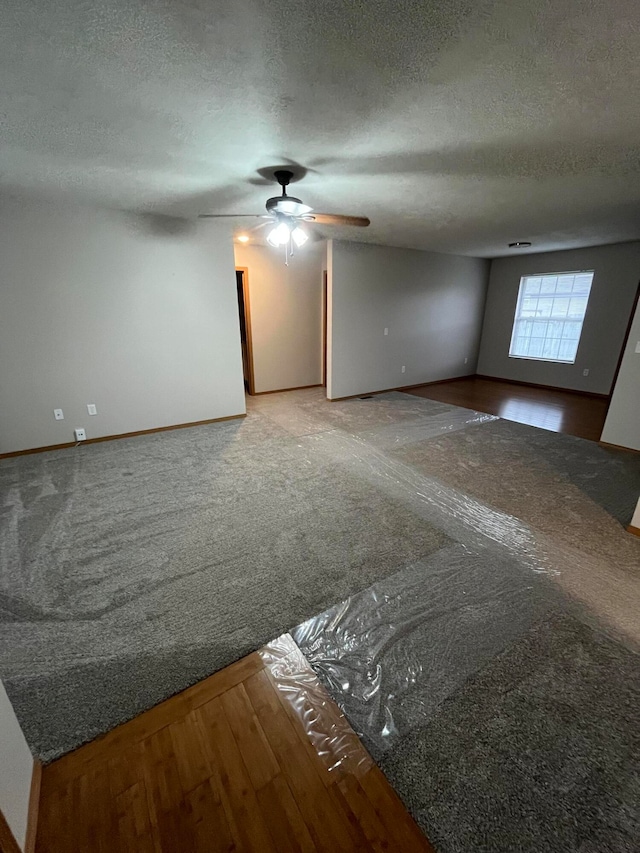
<point>517,318</point>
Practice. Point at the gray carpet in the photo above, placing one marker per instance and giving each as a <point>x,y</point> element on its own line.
<point>131,569</point>
<point>537,754</point>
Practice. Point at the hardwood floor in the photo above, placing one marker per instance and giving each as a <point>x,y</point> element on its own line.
<point>255,758</point>
<point>552,409</point>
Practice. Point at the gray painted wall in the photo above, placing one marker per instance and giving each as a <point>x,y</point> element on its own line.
<point>623,418</point>
<point>432,304</point>
<point>286,315</point>
<point>137,314</point>
<point>17,766</point>
<point>617,272</point>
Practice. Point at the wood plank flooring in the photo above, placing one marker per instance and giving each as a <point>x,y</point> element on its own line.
<point>547,408</point>
<point>255,758</point>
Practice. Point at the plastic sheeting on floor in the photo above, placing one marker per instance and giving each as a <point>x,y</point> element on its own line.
<point>391,654</point>
<point>329,733</point>
<point>518,613</point>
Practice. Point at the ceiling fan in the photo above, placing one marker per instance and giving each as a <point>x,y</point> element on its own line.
<point>288,215</point>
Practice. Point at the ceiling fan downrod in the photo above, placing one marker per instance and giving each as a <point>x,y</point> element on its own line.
<point>283,177</point>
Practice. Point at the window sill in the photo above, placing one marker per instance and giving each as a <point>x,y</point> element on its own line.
<point>539,358</point>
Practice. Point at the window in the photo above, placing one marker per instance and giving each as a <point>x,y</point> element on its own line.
<point>549,316</point>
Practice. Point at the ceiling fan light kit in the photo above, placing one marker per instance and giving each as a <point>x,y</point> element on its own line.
<point>279,235</point>
<point>287,210</point>
<point>299,236</point>
<point>288,214</point>
<point>287,234</point>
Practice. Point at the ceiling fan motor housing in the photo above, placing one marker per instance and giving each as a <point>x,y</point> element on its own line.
<point>274,203</point>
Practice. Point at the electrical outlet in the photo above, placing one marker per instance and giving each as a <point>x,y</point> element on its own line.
<point>585,372</point>
<point>386,331</point>
<point>91,408</point>
<point>403,368</point>
<point>80,434</point>
<point>638,347</point>
<point>466,360</point>
<point>58,414</point>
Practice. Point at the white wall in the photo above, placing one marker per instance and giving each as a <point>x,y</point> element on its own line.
<point>432,304</point>
<point>617,272</point>
<point>137,314</point>
<point>16,767</point>
<point>286,315</point>
<point>622,425</point>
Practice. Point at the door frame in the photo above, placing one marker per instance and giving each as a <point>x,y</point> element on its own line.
<point>247,325</point>
<point>324,328</point>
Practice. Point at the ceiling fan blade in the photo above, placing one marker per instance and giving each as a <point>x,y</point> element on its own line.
<point>338,219</point>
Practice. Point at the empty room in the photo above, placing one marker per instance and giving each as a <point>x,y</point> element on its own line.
<point>319,427</point>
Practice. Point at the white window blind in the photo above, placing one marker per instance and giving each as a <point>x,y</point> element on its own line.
<point>549,316</point>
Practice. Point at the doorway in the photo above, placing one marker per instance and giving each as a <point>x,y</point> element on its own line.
<point>242,289</point>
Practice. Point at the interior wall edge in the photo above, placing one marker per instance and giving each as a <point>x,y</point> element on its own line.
<point>545,387</point>
<point>16,778</point>
<point>34,808</point>
<point>283,390</point>
<point>622,425</point>
<point>98,439</point>
<point>8,843</point>
<point>400,388</point>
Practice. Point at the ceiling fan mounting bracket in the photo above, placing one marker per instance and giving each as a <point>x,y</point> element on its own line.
<point>283,177</point>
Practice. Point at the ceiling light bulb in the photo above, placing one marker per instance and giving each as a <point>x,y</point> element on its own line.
<point>243,238</point>
<point>299,237</point>
<point>283,232</point>
<point>279,235</point>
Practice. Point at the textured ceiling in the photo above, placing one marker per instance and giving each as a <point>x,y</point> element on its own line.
<point>457,125</point>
